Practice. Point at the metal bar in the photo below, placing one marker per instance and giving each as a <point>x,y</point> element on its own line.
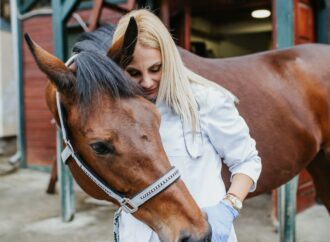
<point>67,9</point>
<point>16,27</point>
<point>322,22</point>
<point>33,13</point>
<point>28,4</point>
<point>290,210</point>
<point>284,11</point>
<point>58,29</point>
<point>113,2</point>
<point>284,23</point>
<point>116,5</point>
<point>280,211</point>
<point>66,183</point>
<point>65,178</point>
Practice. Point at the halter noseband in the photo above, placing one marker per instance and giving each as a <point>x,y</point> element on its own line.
<point>130,205</point>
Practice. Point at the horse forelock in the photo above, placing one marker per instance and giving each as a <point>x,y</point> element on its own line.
<point>97,41</point>
<point>96,73</point>
<point>96,76</point>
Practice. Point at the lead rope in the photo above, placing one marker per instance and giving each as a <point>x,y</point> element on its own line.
<point>116,221</point>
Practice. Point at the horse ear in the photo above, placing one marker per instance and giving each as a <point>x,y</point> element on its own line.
<point>59,74</point>
<point>122,51</point>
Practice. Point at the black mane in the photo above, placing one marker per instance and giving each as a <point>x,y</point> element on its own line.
<point>97,41</point>
<point>96,73</point>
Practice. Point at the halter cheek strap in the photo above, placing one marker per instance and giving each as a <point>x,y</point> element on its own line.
<point>130,205</point>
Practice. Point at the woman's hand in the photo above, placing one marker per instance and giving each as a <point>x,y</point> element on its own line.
<point>221,218</point>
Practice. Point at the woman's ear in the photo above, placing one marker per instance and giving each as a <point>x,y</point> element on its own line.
<point>59,74</point>
<point>122,50</point>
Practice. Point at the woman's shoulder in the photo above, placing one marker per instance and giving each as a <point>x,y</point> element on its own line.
<point>208,96</point>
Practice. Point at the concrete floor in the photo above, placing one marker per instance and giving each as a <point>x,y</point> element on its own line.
<point>28,214</point>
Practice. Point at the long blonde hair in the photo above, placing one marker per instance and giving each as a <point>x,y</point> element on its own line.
<point>174,89</point>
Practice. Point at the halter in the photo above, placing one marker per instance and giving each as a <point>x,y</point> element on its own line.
<point>129,205</point>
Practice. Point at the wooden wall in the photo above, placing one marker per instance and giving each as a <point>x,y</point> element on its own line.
<point>40,133</point>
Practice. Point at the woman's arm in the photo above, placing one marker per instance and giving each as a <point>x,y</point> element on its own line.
<point>240,186</point>
<point>230,136</point>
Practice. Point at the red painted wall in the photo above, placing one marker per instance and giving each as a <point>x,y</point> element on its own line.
<point>40,133</point>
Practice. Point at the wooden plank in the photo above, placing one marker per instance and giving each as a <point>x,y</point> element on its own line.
<point>38,127</point>
<point>95,15</point>
<point>304,22</point>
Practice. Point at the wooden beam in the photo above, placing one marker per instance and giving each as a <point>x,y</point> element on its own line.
<point>165,12</point>
<point>95,15</point>
<point>185,27</point>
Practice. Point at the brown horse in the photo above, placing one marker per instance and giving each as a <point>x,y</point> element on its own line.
<point>115,131</point>
<point>284,97</point>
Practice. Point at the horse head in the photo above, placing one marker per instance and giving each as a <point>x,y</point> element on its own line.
<point>115,131</point>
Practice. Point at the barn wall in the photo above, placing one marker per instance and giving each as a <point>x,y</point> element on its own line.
<point>40,133</point>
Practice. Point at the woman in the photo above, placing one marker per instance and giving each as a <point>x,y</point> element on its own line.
<point>200,125</point>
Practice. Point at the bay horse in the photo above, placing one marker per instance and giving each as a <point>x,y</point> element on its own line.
<point>284,98</point>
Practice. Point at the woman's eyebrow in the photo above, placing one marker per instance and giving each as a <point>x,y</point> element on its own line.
<point>131,68</point>
<point>156,64</point>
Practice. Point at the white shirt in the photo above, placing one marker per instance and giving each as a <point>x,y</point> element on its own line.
<point>223,134</point>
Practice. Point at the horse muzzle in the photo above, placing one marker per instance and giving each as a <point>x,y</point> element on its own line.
<point>206,238</point>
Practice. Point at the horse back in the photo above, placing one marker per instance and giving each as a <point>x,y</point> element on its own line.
<point>284,98</point>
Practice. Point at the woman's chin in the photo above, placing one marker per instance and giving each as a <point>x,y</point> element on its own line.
<point>151,97</point>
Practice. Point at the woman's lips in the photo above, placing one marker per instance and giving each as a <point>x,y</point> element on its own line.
<point>150,92</point>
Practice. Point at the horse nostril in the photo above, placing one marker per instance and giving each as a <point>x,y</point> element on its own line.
<point>206,238</point>
<point>185,239</point>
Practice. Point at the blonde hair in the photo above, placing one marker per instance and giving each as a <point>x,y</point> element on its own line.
<point>174,89</point>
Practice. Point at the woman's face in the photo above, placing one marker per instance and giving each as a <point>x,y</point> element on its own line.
<point>146,69</point>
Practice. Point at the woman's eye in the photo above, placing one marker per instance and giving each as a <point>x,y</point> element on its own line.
<point>133,73</point>
<point>101,148</point>
<point>155,69</point>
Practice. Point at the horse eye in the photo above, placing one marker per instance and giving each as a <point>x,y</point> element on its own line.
<point>101,148</point>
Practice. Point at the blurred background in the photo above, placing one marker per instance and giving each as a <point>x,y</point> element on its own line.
<point>209,28</point>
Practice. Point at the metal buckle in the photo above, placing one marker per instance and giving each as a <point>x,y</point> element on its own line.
<point>128,206</point>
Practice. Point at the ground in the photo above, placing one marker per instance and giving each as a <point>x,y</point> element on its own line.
<point>28,214</point>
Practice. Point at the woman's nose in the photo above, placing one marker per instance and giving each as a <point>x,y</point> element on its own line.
<point>147,82</point>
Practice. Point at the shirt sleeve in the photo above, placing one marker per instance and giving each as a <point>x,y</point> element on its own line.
<point>229,134</point>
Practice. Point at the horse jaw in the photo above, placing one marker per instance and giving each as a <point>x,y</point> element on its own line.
<point>174,215</point>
